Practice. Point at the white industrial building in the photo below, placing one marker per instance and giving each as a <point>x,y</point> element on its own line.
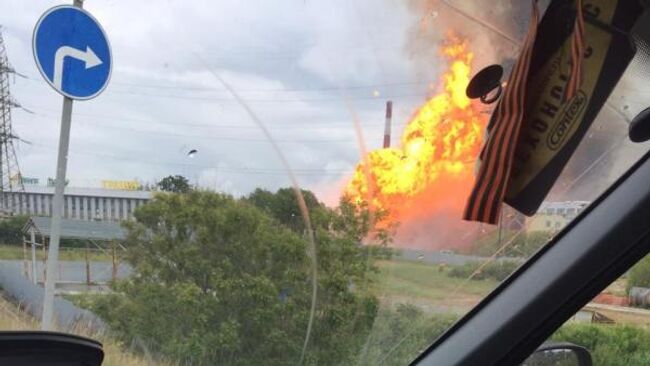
<point>568,209</point>
<point>553,216</point>
<point>79,203</point>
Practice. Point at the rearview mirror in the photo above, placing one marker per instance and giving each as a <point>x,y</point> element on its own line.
<point>48,349</point>
<point>559,354</point>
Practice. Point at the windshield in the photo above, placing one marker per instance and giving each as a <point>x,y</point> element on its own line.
<point>271,183</point>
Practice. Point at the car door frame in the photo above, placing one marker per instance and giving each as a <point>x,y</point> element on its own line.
<point>596,248</point>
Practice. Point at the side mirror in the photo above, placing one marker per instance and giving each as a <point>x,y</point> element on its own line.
<point>559,354</point>
<point>640,127</point>
<point>48,348</point>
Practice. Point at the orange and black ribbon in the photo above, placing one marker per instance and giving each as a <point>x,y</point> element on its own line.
<point>484,204</point>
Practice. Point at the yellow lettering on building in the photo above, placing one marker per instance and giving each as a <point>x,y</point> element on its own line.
<point>127,185</point>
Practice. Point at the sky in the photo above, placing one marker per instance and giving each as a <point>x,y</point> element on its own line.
<point>305,67</point>
<point>288,60</point>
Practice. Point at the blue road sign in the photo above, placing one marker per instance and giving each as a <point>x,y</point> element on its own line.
<point>72,52</point>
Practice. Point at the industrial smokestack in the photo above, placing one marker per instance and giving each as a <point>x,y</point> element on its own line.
<point>389,116</point>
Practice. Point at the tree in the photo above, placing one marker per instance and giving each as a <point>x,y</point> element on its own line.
<point>348,219</point>
<point>175,184</point>
<point>283,206</point>
<point>221,281</point>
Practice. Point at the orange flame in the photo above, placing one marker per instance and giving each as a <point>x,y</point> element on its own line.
<point>432,169</point>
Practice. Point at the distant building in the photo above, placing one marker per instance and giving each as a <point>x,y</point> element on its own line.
<point>79,203</point>
<point>553,216</point>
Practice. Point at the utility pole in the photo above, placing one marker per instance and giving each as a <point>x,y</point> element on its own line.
<point>387,125</point>
<point>10,177</point>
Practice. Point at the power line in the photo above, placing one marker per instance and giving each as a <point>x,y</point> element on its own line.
<point>215,138</point>
<point>253,171</point>
<point>270,100</point>
<point>262,90</point>
<point>487,25</point>
<point>274,90</point>
<point>326,99</point>
<point>211,125</point>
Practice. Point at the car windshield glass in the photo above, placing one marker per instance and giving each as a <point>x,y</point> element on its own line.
<point>267,182</point>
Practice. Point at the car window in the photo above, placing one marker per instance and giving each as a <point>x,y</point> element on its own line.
<point>273,183</point>
<point>615,325</point>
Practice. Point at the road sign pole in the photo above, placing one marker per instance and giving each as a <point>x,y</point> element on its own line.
<point>57,212</point>
<point>56,38</point>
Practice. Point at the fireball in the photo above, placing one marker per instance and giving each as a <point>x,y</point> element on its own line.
<point>431,171</point>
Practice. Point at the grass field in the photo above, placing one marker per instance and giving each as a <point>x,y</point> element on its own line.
<point>11,318</point>
<point>65,254</point>
<point>427,286</point>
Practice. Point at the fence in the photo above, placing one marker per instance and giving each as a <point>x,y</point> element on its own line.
<point>91,267</point>
<point>30,298</point>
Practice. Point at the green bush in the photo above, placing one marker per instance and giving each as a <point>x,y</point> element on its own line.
<point>498,270</point>
<point>399,335</point>
<point>11,232</point>
<point>611,345</point>
<point>11,229</point>
<point>220,281</point>
<point>522,245</point>
<point>640,274</point>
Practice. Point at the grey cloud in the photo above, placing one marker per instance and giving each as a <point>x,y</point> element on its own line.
<point>288,59</point>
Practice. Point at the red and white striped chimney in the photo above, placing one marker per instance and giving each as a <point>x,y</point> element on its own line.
<point>389,116</point>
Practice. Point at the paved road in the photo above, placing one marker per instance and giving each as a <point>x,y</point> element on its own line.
<point>436,257</point>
